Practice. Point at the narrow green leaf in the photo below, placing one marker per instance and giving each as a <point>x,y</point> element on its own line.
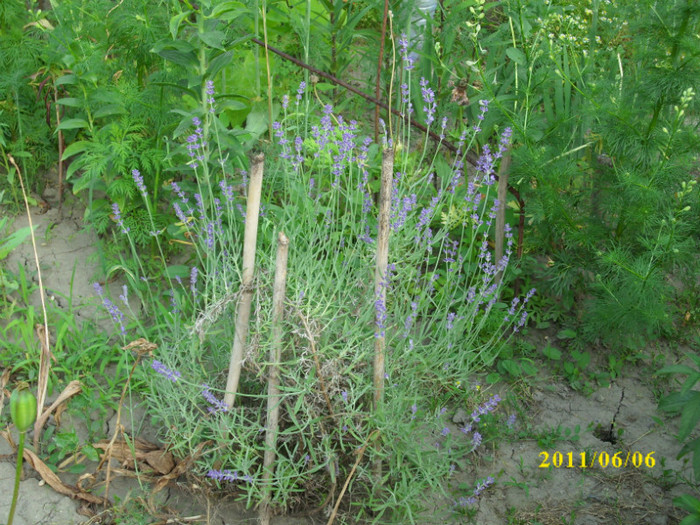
<point>175,22</point>
<point>517,56</point>
<point>552,353</point>
<point>687,502</point>
<point>228,11</point>
<point>109,110</point>
<point>179,57</point>
<point>70,102</point>
<point>218,63</point>
<point>178,270</point>
<point>676,369</point>
<point>73,123</point>
<point>75,166</point>
<point>690,416</point>
<point>75,148</point>
<point>66,79</point>
<point>213,39</point>
<point>13,240</point>
<point>566,334</point>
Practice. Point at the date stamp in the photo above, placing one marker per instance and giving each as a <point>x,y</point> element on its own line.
<point>601,459</point>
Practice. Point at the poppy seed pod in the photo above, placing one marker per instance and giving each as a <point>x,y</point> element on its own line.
<point>23,409</point>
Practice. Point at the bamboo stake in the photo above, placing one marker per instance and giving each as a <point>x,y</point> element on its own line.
<point>246,299</point>
<point>377,89</point>
<point>503,170</point>
<point>380,284</point>
<point>273,392</point>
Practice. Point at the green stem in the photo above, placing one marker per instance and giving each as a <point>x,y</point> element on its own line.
<point>18,474</point>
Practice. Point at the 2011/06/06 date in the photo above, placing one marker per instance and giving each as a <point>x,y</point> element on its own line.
<point>605,460</point>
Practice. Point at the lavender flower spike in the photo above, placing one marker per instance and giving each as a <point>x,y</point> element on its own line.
<point>138,179</point>
<point>118,218</point>
<point>172,375</point>
<point>217,406</point>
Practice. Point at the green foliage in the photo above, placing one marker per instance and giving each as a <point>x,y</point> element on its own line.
<point>24,132</point>
<point>686,402</point>
<point>603,162</point>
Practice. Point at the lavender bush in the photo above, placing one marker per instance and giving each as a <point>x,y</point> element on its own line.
<point>443,318</point>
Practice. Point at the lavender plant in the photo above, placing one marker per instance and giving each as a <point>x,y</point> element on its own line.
<point>443,318</point>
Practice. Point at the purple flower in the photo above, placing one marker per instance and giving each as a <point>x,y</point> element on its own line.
<point>344,394</point>
<point>193,281</point>
<point>300,91</point>
<point>486,408</point>
<point>210,91</point>
<point>429,99</point>
<point>172,375</point>
<point>118,218</point>
<point>414,409</point>
<point>113,309</point>
<point>138,179</point>
<point>227,475</point>
<point>380,316</point>
<point>445,431</point>
<point>125,295</point>
<point>200,206</point>
<point>217,405</point>
<point>285,101</point>
<point>179,192</point>
<point>476,440</point>
<point>482,486</point>
<point>210,236</point>
<point>403,49</point>
<point>399,215</point>
<point>409,320</point>
<point>179,213</point>
<point>450,319</point>
<point>511,421</point>
<point>485,165</point>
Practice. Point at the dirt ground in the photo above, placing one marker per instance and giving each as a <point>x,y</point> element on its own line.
<point>526,490</point>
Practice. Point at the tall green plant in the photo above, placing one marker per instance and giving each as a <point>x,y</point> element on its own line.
<point>605,114</point>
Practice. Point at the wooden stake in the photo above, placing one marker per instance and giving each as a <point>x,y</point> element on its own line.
<point>273,392</point>
<point>380,283</point>
<point>246,298</point>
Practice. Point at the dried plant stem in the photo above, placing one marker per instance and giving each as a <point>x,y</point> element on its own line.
<point>118,428</point>
<point>246,299</point>
<point>273,382</point>
<point>317,364</point>
<point>359,453</point>
<point>503,170</point>
<point>380,284</point>
<point>45,354</point>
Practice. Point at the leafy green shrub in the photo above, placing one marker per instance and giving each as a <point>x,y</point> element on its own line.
<point>608,121</point>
